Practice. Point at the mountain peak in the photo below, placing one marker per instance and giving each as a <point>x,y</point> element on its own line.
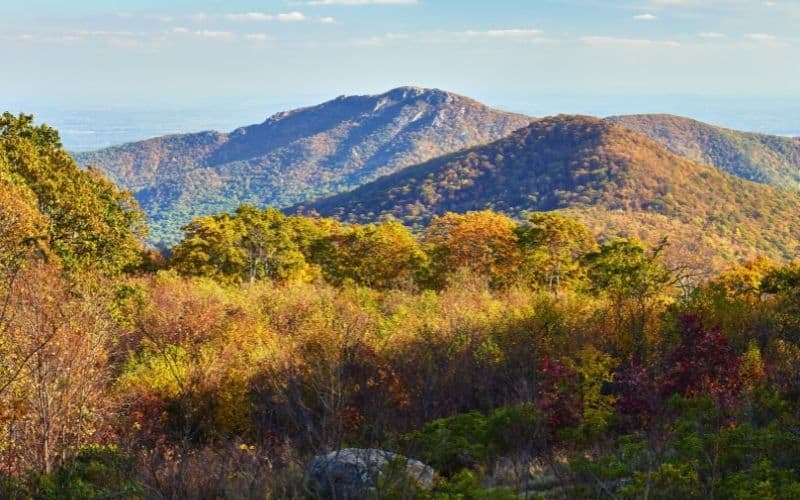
<point>294,156</point>
<point>428,94</point>
<point>406,95</point>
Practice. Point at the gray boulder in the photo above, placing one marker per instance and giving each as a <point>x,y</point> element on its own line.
<point>355,473</point>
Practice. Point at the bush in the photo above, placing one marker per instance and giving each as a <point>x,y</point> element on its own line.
<point>95,472</point>
<point>465,485</point>
<point>468,440</point>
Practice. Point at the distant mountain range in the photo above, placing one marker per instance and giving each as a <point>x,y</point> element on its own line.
<point>297,156</point>
<point>413,153</point>
<point>619,181</point>
<point>761,158</point>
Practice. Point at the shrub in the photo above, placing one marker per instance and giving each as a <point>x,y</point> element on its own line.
<point>95,472</point>
<point>468,440</point>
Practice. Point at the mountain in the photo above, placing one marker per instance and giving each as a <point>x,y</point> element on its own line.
<point>297,155</point>
<point>618,181</point>
<point>767,159</point>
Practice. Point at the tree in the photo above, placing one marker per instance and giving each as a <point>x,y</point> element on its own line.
<point>783,283</point>
<point>595,370</point>
<point>552,246</point>
<point>745,280</point>
<point>269,241</point>
<point>22,229</point>
<point>635,280</point>
<point>482,242</point>
<point>637,393</point>
<point>560,397</point>
<point>91,225</point>
<point>735,302</point>
<point>53,369</point>
<point>210,248</point>
<point>702,365</point>
<point>380,256</point>
<point>250,245</point>
<point>782,279</point>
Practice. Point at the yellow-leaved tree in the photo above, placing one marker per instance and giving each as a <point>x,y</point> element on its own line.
<point>484,243</point>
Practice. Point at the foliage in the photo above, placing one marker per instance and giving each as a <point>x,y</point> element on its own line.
<point>697,455</point>
<point>482,242</point>
<point>702,365</point>
<point>618,182</point>
<point>95,472</point>
<point>756,157</point>
<point>518,359</point>
<point>90,224</point>
<point>552,246</point>
<point>466,485</point>
<point>251,245</point>
<point>468,440</point>
<point>635,280</point>
<point>560,395</point>
<point>595,369</point>
<point>380,256</point>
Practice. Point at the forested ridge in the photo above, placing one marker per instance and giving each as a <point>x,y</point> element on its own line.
<point>300,155</point>
<point>767,159</point>
<point>534,356</point>
<point>295,156</point>
<point>617,181</point>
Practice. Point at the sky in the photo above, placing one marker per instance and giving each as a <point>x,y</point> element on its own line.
<point>535,56</point>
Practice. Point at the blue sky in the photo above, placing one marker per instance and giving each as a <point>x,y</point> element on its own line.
<point>505,52</point>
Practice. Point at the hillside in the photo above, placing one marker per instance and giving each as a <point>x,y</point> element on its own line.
<point>297,155</point>
<point>761,158</point>
<point>613,178</point>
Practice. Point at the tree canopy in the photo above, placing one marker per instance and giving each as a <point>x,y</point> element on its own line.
<point>91,225</point>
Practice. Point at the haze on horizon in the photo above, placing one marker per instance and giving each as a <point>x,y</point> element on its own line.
<point>248,58</point>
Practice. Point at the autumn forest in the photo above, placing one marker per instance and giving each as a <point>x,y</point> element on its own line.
<point>503,355</point>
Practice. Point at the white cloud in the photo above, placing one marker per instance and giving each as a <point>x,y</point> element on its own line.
<point>525,35</point>
<point>199,17</point>
<point>250,16</point>
<point>511,33</point>
<point>689,3</point>
<point>180,29</point>
<point>64,38</point>
<point>291,16</point>
<point>327,20</point>
<point>718,4</point>
<point>712,34</point>
<point>631,42</point>
<point>761,37</point>
<point>645,17</point>
<point>376,41</point>
<point>98,33</point>
<point>362,2</point>
<point>446,37</point>
<point>222,35</point>
<point>766,40</point>
<point>261,16</point>
<point>123,39</point>
<point>18,38</point>
<point>257,37</point>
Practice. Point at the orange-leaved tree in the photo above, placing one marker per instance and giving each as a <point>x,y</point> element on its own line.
<point>482,242</point>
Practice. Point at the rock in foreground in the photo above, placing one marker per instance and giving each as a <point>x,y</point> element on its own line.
<point>354,473</point>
